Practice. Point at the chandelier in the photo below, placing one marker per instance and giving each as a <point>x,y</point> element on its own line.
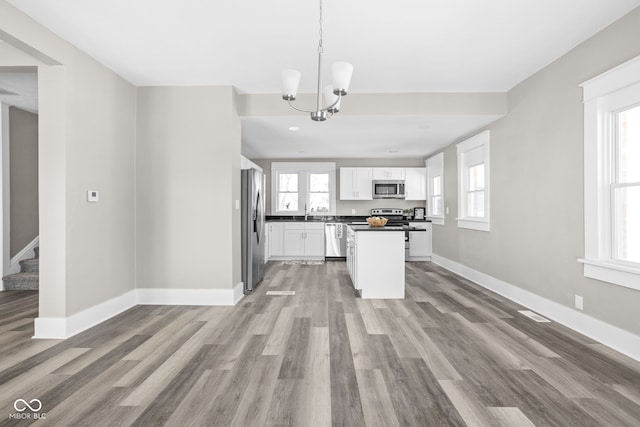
<point>341,73</point>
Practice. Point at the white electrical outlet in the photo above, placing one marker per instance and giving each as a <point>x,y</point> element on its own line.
<point>446,210</point>
<point>353,211</point>
<point>579,302</point>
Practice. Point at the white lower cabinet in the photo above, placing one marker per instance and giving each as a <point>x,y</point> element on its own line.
<point>275,239</point>
<point>299,240</point>
<point>420,242</point>
<point>267,243</point>
<point>314,240</point>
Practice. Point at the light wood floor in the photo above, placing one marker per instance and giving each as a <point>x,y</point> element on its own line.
<point>451,353</point>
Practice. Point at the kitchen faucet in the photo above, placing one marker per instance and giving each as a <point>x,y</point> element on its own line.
<point>305,211</point>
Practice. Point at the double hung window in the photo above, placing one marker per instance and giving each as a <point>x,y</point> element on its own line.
<point>288,192</point>
<point>435,188</point>
<point>303,188</point>
<point>473,182</point>
<point>612,175</point>
<point>625,186</point>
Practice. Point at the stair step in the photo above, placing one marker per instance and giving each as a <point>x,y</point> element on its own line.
<point>31,265</point>
<point>21,281</point>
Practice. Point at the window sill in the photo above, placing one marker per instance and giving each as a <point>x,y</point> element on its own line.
<point>473,224</point>
<point>617,274</point>
<point>436,220</point>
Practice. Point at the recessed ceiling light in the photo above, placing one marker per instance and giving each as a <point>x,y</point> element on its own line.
<point>294,128</point>
<point>393,151</point>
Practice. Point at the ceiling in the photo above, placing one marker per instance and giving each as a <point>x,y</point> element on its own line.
<point>405,46</point>
<point>390,136</point>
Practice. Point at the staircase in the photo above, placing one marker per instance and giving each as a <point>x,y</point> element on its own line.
<point>28,278</point>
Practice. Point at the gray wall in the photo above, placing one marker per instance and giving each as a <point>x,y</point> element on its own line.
<point>537,206</point>
<point>86,142</point>
<point>180,178</point>
<point>187,181</point>
<point>23,181</point>
<point>344,207</point>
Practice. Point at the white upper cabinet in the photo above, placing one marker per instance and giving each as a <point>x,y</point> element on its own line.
<point>355,184</point>
<point>415,185</point>
<point>389,174</point>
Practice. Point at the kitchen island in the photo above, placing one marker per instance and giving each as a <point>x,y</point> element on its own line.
<point>375,260</point>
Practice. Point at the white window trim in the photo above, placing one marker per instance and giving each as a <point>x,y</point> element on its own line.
<point>473,223</point>
<point>303,169</point>
<point>435,167</point>
<point>598,95</point>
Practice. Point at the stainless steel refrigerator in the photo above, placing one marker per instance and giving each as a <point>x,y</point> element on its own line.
<point>253,229</point>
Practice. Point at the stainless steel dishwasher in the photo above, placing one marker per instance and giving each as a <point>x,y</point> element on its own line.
<point>335,239</point>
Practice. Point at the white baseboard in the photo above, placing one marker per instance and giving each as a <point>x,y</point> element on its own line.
<point>296,258</point>
<point>25,253</point>
<point>50,328</point>
<point>65,327</point>
<point>238,292</point>
<point>419,258</point>
<point>619,339</point>
<point>148,296</point>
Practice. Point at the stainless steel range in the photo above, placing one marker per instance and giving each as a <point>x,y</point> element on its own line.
<point>394,216</point>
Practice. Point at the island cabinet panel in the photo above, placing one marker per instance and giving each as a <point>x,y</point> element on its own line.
<point>351,255</point>
<point>376,263</point>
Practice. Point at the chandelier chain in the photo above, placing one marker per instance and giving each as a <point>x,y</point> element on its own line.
<point>320,48</point>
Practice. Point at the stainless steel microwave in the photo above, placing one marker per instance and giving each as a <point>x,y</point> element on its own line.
<point>388,189</point>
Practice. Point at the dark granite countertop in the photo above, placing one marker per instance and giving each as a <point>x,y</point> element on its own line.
<point>315,218</point>
<point>325,218</point>
<point>385,228</point>
<point>369,228</point>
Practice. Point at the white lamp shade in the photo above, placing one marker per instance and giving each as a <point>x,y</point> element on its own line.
<point>290,82</point>
<point>341,72</point>
<point>330,98</point>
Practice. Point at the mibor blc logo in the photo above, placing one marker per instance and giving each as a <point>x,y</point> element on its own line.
<point>27,410</point>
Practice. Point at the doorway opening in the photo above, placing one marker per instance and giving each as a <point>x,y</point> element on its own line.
<point>19,211</point>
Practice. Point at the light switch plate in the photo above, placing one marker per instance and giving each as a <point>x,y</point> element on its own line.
<point>92,196</point>
<point>579,302</point>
